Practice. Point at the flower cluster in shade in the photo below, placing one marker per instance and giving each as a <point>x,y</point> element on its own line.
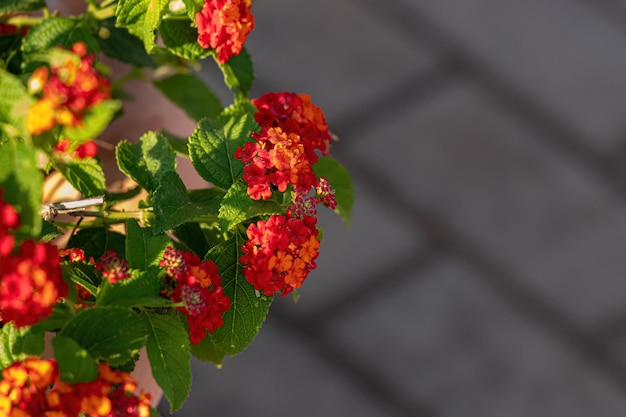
<point>224,25</point>
<point>112,267</point>
<point>280,252</point>
<point>197,285</point>
<point>33,388</point>
<point>31,280</point>
<point>68,90</point>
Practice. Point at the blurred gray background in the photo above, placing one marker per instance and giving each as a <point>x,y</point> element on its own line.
<point>485,270</point>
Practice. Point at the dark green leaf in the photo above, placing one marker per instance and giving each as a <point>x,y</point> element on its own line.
<point>96,241</point>
<point>168,351</point>
<point>142,18</point>
<point>119,44</point>
<point>86,175</point>
<point>191,235</point>
<point>13,6</point>
<point>143,247</point>
<point>96,119</point>
<point>61,314</point>
<point>181,39</point>
<point>14,104</point>
<point>49,232</point>
<point>75,363</point>
<point>239,74</point>
<point>84,274</point>
<point>207,350</point>
<point>55,31</point>
<point>237,206</point>
<point>172,206</point>
<point>212,147</point>
<point>146,160</point>
<point>21,181</point>
<point>248,311</point>
<point>18,343</point>
<point>191,94</point>
<point>178,144</point>
<point>340,179</point>
<point>114,334</point>
<point>141,289</point>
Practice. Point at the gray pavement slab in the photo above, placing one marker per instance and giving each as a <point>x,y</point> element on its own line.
<point>448,342</point>
<point>563,54</point>
<point>541,214</point>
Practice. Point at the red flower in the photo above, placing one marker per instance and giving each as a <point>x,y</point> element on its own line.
<point>23,387</point>
<point>32,282</point>
<point>224,26</point>
<point>198,286</point>
<point>9,219</point>
<point>63,148</point>
<point>279,253</point>
<point>113,267</point>
<point>69,90</point>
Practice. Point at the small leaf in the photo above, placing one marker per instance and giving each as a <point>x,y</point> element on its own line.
<point>96,119</point>
<point>212,147</point>
<point>181,39</point>
<point>55,31</point>
<point>49,232</point>
<point>178,144</point>
<point>13,6</point>
<point>239,74</point>
<point>238,207</point>
<point>141,289</point>
<point>75,363</point>
<point>248,311</point>
<point>193,7</point>
<point>96,241</point>
<point>172,206</point>
<point>191,94</point>
<point>114,334</point>
<point>86,175</point>
<point>146,160</point>
<point>168,351</point>
<point>143,247</point>
<point>21,181</point>
<point>340,179</point>
<point>61,314</point>
<point>207,350</point>
<point>119,44</point>
<point>84,274</point>
<point>18,343</point>
<point>142,18</point>
<point>14,104</point>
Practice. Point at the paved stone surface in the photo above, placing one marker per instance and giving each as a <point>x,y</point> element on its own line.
<point>459,349</point>
<point>561,53</point>
<point>394,322</point>
<point>535,210</point>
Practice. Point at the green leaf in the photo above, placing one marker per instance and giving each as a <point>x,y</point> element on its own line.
<point>85,175</point>
<point>95,120</point>
<point>212,147</point>
<point>181,39</point>
<point>18,343</point>
<point>207,350</point>
<point>14,104</point>
<point>178,144</point>
<point>119,44</point>
<point>75,363</point>
<point>237,206</point>
<point>96,241</point>
<point>21,181</point>
<point>61,314</point>
<point>142,18</point>
<point>247,312</point>
<point>140,290</point>
<point>55,31</point>
<point>114,334</point>
<point>193,7</point>
<point>191,94</point>
<point>340,179</point>
<point>49,232</point>
<point>84,274</point>
<point>13,6</point>
<point>172,206</point>
<point>143,247</point>
<point>190,234</point>
<point>168,351</point>
<point>146,160</point>
<point>238,74</point>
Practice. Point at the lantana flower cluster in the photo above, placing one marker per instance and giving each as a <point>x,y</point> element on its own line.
<point>31,279</point>
<point>68,90</point>
<point>32,387</point>
<point>198,286</point>
<point>224,26</point>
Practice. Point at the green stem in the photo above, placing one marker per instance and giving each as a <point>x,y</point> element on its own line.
<point>22,20</point>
